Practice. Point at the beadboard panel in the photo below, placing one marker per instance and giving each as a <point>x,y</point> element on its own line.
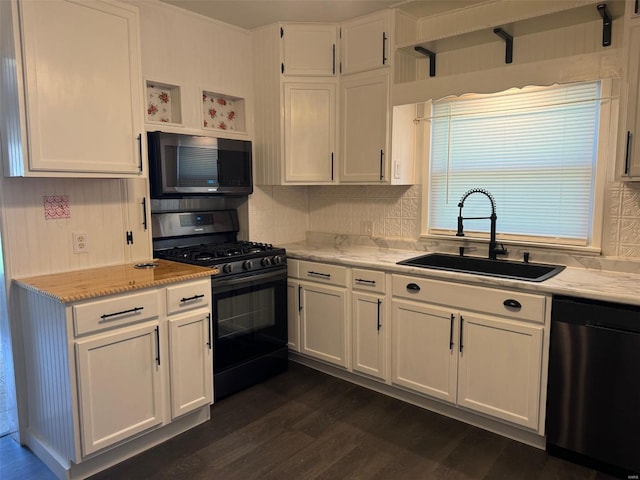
<point>35,245</point>
<point>52,409</point>
<point>268,148</point>
<point>194,50</point>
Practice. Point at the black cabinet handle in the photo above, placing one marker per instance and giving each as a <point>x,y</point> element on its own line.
<point>412,287</point>
<point>318,274</point>
<point>334,58</point>
<point>332,166</point>
<point>140,152</point>
<point>381,165</point>
<point>299,298</point>
<point>451,332</point>
<point>144,212</point>
<point>384,48</point>
<point>188,299</point>
<point>379,303</point>
<point>368,282</point>
<point>510,302</point>
<point>158,345</point>
<point>627,155</point>
<point>460,339</point>
<point>209,327</point>
<point>131,310</point>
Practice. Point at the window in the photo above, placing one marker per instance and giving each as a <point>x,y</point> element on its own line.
<point>533,149</point>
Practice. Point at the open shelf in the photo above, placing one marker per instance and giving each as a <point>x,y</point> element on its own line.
<point>516,27</point>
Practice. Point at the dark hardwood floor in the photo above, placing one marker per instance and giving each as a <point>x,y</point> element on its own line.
<point>307,425</point>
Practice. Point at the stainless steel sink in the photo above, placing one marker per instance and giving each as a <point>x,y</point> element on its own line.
<point>532,272</point>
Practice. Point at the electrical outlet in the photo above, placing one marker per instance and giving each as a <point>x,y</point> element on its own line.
<point>366,227</point>
<point>80,242</point>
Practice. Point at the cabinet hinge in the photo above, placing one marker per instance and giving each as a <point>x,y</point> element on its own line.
<point>281,32</point>
<point>129,236</point>
<point>282,68</point>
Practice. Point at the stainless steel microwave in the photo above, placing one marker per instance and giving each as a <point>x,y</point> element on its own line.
<point>190,165</point>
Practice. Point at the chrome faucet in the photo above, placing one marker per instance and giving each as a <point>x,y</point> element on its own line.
<point>493,246</point>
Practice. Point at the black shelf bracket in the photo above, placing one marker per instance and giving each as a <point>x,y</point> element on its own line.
<point>606,24</point>
<point>432,59</point>
<point>508,40</point>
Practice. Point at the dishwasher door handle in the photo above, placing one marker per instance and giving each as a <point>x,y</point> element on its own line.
<point>612,329</point>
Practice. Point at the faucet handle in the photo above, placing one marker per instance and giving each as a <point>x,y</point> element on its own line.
<point>500,250</point>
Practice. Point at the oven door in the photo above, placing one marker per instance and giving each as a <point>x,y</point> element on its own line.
<point>250,317</point>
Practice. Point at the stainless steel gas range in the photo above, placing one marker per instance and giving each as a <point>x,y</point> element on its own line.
<point>249,293</point>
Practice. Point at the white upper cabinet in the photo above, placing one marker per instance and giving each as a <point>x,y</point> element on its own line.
<point>295,116</point>
<point>631,139</point>
<point>76,75</point>
<point>366,43</point>
<point>309,131</point>
<point>364,125</point>
<point>309,50</point>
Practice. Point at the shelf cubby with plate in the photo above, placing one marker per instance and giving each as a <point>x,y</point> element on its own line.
<point>223,112</point>
<point>163,103</point>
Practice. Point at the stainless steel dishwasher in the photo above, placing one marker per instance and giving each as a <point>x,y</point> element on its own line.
<point>593,397</point>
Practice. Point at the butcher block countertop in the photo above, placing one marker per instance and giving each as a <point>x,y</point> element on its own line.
<point>67,287</point>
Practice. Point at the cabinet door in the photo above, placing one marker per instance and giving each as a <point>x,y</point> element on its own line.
<point>81,67</point>
<point>309,50</point>
<point>424,354</point>
<point>119,385</point>
<point>323,323</point>
<point>293,319</point>
<point>309,131</point>
<point>369,331</point>
<point>364,126</point>
<point>190,359</point>
<point>365,43</point>
<point>631,143</point>
<point>500,367</point>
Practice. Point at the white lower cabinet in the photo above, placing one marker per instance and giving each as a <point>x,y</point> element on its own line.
<point>423,358</point>
<point>369,319</point>
<point>499,368</point>
<point>323,312</point>
<point>118,368</point>
<point>489,362</point>
<point>191,362</point>
<point>119,385</point>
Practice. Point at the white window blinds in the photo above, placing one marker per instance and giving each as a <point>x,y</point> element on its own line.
<point>534,149</point>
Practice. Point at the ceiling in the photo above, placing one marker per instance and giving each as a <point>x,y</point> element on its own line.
<point>255,13</point>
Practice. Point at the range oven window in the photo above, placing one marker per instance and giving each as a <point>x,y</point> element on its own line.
<point>250,317</point>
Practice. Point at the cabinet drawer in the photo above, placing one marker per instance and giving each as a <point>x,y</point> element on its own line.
<point>323,273</point>
<point>293,268</point>
<point>367,280</point>
<point>183,297</point>
<point>114,312</point>
<point>471,297</point>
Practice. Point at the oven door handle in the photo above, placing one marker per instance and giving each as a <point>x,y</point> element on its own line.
<point>253,278</point>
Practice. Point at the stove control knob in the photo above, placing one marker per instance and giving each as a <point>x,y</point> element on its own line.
<point>227,268</point>
<point>247,265</point>
<point>265,262</point>
<point>277,260</point>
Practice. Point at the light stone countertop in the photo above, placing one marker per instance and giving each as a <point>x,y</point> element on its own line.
<point>67,287</point>
<point>596,284</point>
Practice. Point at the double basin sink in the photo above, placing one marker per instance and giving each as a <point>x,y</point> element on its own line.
<point>531,272</point>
